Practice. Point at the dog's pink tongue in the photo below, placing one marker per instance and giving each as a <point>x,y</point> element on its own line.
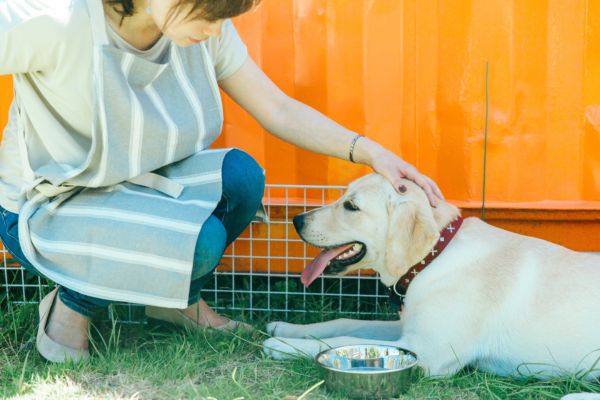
<point>318,265</point>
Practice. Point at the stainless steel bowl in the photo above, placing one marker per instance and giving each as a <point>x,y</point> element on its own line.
<point>367,371</point>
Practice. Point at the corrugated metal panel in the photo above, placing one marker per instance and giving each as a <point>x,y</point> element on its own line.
<point>6,93</point>
<point>411,74</point>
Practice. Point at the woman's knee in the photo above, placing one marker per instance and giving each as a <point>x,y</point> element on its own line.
<point>209,247</point>
<point>243,179</point>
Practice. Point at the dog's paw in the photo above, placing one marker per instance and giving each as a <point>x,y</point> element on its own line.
<point>285,329</point>
<point>281,348</point>
<point>272,327</point>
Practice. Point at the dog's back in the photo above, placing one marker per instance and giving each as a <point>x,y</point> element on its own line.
<point>542,302</point>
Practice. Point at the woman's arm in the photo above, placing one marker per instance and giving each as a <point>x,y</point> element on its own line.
<point>305,127</point>
<point>290,119</point>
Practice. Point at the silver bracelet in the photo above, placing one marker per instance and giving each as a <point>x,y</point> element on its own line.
<point>352,146</point>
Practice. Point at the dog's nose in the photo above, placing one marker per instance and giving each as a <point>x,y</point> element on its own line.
<point>299,222</point>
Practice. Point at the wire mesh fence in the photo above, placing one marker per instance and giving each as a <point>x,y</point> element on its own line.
<point>258,274</point>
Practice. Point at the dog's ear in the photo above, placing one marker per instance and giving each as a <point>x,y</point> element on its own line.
<point>412,232</point>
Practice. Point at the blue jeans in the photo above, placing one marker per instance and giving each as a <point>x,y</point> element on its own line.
<point>243,187</point>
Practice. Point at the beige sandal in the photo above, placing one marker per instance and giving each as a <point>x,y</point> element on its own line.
<point>48,348</point>
<point>176,317</point>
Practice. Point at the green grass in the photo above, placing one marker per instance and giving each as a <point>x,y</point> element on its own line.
<point>142,362</point>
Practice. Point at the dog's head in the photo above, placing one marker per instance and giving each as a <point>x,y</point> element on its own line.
<point>371,226</point>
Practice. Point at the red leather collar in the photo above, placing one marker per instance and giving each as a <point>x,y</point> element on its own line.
<point>398,290</point>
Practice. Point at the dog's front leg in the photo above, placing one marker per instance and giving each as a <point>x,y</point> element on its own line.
<point>280,348</point>
<point>377,330</point>
<point>435,362</point>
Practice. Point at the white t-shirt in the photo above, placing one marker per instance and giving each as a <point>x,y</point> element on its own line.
<point>158,53</point>
<point>47,45</point>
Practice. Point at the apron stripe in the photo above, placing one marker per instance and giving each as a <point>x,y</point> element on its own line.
<point>198,180</point>
<point>190,94</point>
<point>111,254</point>
<point>212,151</point>
<point>172,131</point>
<point>109,292</point>
<point>137,122</point>
<point>101,125</point>
<point>209,205</point>
<point>125,216</point>
<point>208,66</point>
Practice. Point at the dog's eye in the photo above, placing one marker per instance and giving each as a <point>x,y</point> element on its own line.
<point>350,206</point>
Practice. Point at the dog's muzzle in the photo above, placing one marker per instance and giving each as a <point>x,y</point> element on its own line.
<point>299,222</point>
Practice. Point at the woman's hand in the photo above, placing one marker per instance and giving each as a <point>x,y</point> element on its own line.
<point>394,168</point>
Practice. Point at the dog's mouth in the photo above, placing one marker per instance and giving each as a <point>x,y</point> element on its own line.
<point>333,260</point>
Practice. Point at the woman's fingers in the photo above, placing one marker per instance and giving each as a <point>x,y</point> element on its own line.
<point>436,189</point>
<point>427,184</point>
<point>395,169</point>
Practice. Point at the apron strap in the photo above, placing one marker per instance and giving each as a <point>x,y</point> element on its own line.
<point>149,180</point>
<point>158,182</point>
<point>98,22</point>
<point>49,190</point>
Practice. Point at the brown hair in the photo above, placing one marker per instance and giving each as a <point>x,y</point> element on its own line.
<point>210,10</point>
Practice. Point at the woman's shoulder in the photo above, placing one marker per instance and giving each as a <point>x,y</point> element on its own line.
<point>47,17</point>
<point>227,51</point>
<point>40,35</point>
<point>227,30</point>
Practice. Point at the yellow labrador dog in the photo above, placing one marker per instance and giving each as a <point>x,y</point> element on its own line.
<point>502,302</point>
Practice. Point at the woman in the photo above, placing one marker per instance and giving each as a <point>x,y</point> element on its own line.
<point>107,186</point>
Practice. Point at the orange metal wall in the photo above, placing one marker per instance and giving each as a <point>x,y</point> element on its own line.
<point>411,74</point>
<point>6,92</point>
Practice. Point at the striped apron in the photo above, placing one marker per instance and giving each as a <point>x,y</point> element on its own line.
<point>123,225</point>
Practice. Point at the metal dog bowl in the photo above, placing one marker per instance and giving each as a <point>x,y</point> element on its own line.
<point>367,371</point>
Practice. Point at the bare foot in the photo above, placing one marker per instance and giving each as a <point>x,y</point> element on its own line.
<point>202,314</point>
<point>67,327</point>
